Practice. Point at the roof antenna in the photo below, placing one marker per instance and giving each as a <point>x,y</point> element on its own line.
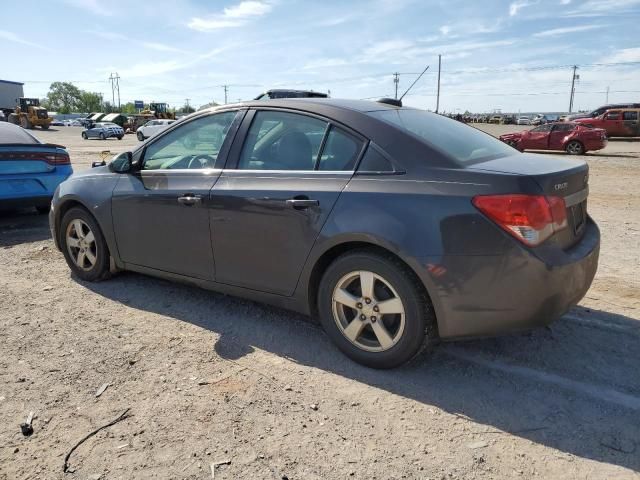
<point>414,82</point>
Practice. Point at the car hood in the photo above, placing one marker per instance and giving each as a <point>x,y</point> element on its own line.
<point>92,172</point>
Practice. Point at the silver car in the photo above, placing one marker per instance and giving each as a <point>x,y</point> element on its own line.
<point>103,131</point>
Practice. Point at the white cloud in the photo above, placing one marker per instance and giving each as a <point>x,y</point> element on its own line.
<point>161,47</point>
<point>97,7</point>
<point>445,29</point>
<point>518,5</point>
<point>235,16</point>
<point>247,9</point>
<point>598,8</point>
<point>564,30</point>
<point>324,63</point>
<point>565,2</point>
<point>625,55</point>
<point>12,37</point>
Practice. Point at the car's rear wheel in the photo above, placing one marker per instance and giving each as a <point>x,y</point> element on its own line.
<point>84,135</point>
<point>371,306</point>
<point>119,137</point>
<point>140,136</point>
<point>102,136</point>
<point>83,245</point>
<point>574,147</point>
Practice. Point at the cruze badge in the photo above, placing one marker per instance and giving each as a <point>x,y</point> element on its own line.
<point>561,186</point>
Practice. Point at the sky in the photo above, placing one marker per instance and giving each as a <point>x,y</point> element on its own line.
<point>508,55</point>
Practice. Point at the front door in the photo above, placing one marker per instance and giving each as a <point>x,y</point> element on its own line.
<point>537,139</point>
<point>612,123</point>
<point>268,209</point>
<point>160,213</point>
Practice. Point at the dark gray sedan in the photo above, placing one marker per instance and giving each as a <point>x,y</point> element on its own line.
<point>395,227</point>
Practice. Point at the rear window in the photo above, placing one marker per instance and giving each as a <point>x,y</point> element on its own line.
<point>10,133</point>
<point>461,142</point>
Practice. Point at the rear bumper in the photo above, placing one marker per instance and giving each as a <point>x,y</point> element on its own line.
<point>489,295</point>
<point>31,189</point>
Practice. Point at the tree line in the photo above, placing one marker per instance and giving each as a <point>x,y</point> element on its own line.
<point>65,97</point>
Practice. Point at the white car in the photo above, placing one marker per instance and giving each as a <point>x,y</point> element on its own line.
<point>151,128</point>
<point>523,121</point>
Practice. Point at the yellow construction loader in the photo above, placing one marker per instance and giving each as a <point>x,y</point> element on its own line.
<point>29,114</point>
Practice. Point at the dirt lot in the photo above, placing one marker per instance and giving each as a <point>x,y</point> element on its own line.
<point>210,379</point>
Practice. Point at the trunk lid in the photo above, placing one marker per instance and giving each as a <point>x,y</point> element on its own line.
<point>16,159</point>
<point>555,176</point>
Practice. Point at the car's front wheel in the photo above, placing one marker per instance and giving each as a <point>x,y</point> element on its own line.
<point>373,308</point>
<point>102,136</point>
<point>84,135</point>
<point>140,136</point>
<point>83,245</point>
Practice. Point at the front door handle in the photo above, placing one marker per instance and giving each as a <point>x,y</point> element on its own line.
<point>302,203</point>
<point>189,200</point>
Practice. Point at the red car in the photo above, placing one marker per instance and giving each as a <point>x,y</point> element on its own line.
<point>573,138</point>
<point>621,122</point>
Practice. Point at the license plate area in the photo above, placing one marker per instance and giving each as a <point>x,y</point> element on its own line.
<point>579,217</point>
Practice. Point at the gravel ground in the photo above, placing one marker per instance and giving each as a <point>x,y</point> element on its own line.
<point>262,393</point>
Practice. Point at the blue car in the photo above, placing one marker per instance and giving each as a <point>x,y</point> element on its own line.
<point>30,171</point>
<point>103,131</point>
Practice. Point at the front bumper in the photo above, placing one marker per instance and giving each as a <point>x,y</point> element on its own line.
<point>487,295</point>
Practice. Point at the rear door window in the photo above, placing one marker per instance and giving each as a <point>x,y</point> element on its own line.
<point>340,151</point>
<point>630,115</point>
<point>282,141</point>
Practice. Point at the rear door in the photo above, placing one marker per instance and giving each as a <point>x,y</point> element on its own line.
<point>631,122</point>
<point>558,133</point>
<point>160,213</point>
<point>269,205</point>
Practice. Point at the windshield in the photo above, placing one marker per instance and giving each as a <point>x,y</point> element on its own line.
<point>461,142</point>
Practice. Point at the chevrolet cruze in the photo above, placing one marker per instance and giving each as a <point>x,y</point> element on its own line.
<point>394,227</point>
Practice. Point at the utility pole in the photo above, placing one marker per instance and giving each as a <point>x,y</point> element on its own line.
<point>115,86</point>
<point>573,87</point>
<point>396,80</point>
<point>186,102</point>
<point>607,100</point>
<point>226,91</point>
<point>438,96</point>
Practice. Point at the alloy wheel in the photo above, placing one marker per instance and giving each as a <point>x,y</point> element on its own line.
<point>574,148</point>
<point>368,311</point>
<point>81,244</point>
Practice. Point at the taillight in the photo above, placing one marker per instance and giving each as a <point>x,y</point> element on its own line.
<point>57,159</point>
<point>530,218</point>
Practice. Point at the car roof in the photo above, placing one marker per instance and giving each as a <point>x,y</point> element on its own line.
<point>312,104</point>
<point>10,133</point>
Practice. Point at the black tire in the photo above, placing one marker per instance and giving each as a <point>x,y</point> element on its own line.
<point>42,209</point>
<point>25,122</point>
<point>45,126</point>
<point>100,270</point>
<point>13,118</point>
<point>84,135</point>
<point>574,147</point>
<point>102,137</point>
<point>419,327</point>
<point>140,136</point>
<point>119,137</point>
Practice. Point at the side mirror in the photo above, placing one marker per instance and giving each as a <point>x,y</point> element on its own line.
<point>101,163</point>
<point>122,163</point>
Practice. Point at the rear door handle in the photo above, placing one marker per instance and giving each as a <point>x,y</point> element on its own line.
<point>189,200</point>
<point>302,203</point>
